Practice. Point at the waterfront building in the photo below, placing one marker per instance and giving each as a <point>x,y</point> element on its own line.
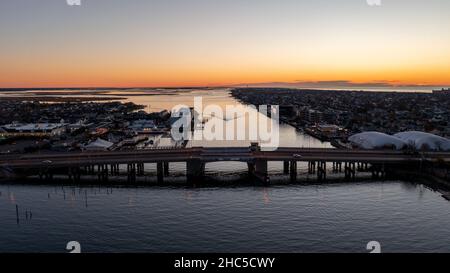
<point>425,141</point>
<point>98,145</point>
<point>143,126</point>
<point>33,130</point>
<point>315,116</point>
<point>443,91</point>
<point>376,140</point>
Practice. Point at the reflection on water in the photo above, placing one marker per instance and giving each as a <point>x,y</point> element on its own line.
<point>289,136</point>
<point>308,218</point>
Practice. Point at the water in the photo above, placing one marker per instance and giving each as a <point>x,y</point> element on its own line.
<point>341,217</point>
<point>308,218</point>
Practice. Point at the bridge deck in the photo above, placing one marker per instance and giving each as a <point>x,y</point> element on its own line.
<point>243,154</point>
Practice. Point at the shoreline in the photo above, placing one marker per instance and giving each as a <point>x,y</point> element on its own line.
<point>60,99</point>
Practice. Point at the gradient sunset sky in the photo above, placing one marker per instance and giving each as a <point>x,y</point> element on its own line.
<point>125,43</point>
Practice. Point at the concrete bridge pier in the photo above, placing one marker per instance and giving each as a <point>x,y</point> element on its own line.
<point>115,169</point>
<point>337,167</point>
<point>378,172</point>
<point>77,174</point>
<point>140,169</point>
<point>166,169</point>
<point>363,167</point>
<point>69,173</point>
<point>350,170</point>
<point>74,174</point>
<point>41,174</point>
<point>195,171</point>
<point>131,172</point>
<point>251,169</point>
<point>311,167</point>
<point>293,171</point>
<point>160,172</point>
<point>90,169</point>
<point>47,175</point>
<point>286,167</point>
<point>322,171</point>
<point>261,171</point>
<point>103,173</point>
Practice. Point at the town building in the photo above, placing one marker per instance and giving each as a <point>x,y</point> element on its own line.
<point>443,91</point>
<point>33,130</point>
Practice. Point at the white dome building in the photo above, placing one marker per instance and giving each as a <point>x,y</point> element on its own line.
<point>376,140</point>
<point>425,141</point>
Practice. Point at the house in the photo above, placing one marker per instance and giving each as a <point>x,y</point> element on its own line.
<point>143,126</point>
<point>98,145</point>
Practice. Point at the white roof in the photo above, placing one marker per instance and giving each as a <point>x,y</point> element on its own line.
<point>425,141</point>
<point>33,126</point>
<point>376,140</point>
<point>99,144</point>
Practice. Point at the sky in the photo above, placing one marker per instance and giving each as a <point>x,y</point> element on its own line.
<point>137,43</point>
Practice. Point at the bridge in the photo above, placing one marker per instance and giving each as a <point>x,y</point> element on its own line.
<point>108,164</point>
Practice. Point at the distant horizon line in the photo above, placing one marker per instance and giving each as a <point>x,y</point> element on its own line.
<point>339,84</point>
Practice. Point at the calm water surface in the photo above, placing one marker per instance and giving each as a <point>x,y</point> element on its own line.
<point>309,218</point>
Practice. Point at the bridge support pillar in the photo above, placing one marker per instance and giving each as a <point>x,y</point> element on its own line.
<point>378,171</point>
<point>77,175</point>
<point>350,170</point>
<point>90,169</point>
<point>140,169</point>
<point>74,174</point>
<point>48,175</point>
<point>160,172</point>
<point>261,171</point>
<point>251,169</point>
<point>166,169</point>
<point>286,167</point>
<point>293,171</point>
<point>69,173</point>
<point>195,170</point>
<point>311,167</point>
<point>322,171</point>
<point>115,169</point>
<point>103,173</point>
<point>337,167</point>
<point>131,172</point>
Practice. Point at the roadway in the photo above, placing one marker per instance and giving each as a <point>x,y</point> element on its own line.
<point>243,154</point>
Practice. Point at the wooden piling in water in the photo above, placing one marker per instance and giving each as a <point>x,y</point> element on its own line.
<point>17,213</point>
